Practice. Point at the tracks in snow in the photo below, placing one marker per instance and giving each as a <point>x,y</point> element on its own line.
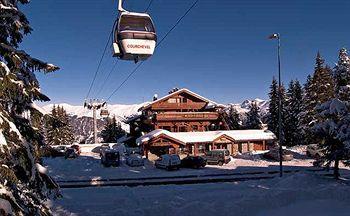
<point>180,180</point>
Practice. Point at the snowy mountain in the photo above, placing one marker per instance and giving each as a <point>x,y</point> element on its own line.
<point>81,118</point>
<point>243,107</point>
<point>119,110</point>
<point>122,111</point>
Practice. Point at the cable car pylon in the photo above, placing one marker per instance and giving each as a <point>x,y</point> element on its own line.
<point>134,37</point>
<point>94,105</point>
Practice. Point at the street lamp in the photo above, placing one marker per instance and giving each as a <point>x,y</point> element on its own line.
<point>278,37</point>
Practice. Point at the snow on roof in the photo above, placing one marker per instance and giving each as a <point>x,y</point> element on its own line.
<point>152,134</point>
<point>210,103</point>
<point>210,136</point>
<point>242,135</point>
<point>123,139</point>
<point>132,118</point>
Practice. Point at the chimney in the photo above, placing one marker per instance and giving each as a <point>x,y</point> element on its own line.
<point>155,97</point>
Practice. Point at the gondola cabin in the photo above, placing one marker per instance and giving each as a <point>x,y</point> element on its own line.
<point>134,36</point>
<point>104,113</point>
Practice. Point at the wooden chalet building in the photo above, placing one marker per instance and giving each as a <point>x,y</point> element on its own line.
<point>196,143</point>
<point>185,122</point>
<point>180,111</point>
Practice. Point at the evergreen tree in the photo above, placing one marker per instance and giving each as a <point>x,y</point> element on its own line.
<point>293,114</point>
<point>233,118</point>
<point>23,186</point>
<point>112,131</point>
<point>273,107</point>
<point>318,89</point>
<point>273,115</point>
<point>333,119</point>
<point>253,117</point>
<point>59,130</point>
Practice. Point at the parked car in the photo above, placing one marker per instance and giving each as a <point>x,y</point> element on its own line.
<point>314,151</point>
<point>193,162</point>
<point>110,157</point>
<point>71,153</point>
<point>60,150</point>
<point>77,148</point>
<point>168,162</point>
<point>104,147</point>
<point>134,160</point>
<point>274,154</point>
<point>218,157</point>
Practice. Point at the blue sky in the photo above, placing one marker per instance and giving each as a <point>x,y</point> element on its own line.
<point>220,49</point>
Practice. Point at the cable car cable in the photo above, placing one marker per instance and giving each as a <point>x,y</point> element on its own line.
<point>107,78</point>
<point>125,80</point>
<point>183,16</point>
<point>166,35</point>
<point>100,62</point>
<point>149,5</point>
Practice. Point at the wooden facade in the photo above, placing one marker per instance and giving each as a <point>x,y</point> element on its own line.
<point>179,111</point>
<point>197,143</point>
<point>179,122</point>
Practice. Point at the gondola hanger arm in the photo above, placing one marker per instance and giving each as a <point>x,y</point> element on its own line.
<point>120,6</point>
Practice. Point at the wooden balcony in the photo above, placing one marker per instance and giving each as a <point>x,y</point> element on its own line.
<point>179,106</point>
<point>187,116</point>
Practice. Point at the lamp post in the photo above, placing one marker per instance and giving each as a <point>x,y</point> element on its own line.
<point>278,37</point>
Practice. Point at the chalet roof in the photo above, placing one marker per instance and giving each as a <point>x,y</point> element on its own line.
<point>210,136</point>
<point>210,103</point>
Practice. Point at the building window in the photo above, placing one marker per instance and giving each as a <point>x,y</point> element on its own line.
<point>183,129</point>
<point>201,148</point>
<point>175,129</point>
<point>168,128</point>
<point>194,127</point>
<point>172,100</point>
<point>184,100</point>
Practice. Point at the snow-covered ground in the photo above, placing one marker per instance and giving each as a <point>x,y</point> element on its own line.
<point>88,167</point>
<point>294,194</point>
<point>302,193</point>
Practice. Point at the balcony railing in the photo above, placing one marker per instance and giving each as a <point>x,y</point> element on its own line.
<point>179,106</point>
<point>188,116</point>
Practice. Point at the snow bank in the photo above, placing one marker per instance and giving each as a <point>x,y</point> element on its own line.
<point>299,194</point>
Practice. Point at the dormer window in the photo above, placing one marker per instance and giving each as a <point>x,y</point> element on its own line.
<point>172,100</point>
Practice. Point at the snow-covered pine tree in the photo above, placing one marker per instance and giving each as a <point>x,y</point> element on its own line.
<point>253,120</point>
<point>333,118</point>
<point>112,131</point>
<point>233,118</point>
<point>293,113</point>
<point>24,187</point>
<point>318,89</point>
<point>59,130</point>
